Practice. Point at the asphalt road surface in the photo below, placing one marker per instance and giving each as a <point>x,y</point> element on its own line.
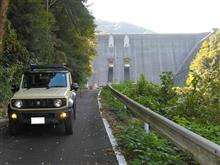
<point>46,145</point>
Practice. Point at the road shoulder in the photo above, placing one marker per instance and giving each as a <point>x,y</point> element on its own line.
<point>120,158</point>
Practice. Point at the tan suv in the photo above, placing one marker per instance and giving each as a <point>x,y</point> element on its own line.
<point>46,95</point>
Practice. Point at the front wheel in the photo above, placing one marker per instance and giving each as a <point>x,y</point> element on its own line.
<point>68,125</point>
<point>74,112</point>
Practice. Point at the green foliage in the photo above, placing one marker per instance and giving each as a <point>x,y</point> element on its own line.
<point>110,101</point>
<point>14,52</point>
<point>75,29</point>
<point>113,105</point>
<point>146,88</point>
<point>33,26</point>
<point>204,77</point>
<point>167,84</point>
<point>146,149</point>
<point>5,91</point>
<point>3,15</point>
<point>138,92</point>
<point>13,59</point>
<point>138,147</point>
<point>63,34</point>
<point>190,106</point>
<point>198,102</point>
<point>208,130</point>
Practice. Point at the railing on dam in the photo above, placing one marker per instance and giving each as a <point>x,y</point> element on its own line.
<point>203,150</point>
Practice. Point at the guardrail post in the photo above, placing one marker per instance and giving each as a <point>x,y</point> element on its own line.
<point>147,128</point>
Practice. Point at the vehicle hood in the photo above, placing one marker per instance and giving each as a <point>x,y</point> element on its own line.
<point>40,93</point>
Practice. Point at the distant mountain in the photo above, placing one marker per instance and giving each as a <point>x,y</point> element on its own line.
<point>120,28</point>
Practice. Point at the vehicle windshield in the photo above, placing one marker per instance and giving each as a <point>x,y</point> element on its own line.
<point>44,80</point>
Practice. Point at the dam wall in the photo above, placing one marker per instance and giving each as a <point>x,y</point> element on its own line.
<point>127,57</point>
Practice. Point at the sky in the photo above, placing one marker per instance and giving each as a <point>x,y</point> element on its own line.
<point>161,16</point>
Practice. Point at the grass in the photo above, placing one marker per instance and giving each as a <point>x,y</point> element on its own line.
<point>138,147</point>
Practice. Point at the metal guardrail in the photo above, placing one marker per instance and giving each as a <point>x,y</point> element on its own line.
<point>203,150</point>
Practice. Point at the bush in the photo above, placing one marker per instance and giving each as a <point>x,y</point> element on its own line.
<point>144,148</point>
<point>193,103</point>
<point>138,147</point>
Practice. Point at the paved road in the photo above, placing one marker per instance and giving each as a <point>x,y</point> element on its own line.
<point>42,145</point>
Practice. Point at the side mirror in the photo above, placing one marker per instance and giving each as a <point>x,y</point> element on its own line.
<point>14,88</point>
<point>75,86</point>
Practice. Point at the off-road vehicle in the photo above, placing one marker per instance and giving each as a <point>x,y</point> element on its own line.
<point>46,95</point>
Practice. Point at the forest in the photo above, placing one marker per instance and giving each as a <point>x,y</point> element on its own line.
<point>44,32</point>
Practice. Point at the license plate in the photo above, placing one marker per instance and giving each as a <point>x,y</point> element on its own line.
<point>38,120</point>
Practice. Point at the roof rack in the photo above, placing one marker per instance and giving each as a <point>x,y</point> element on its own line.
<point>48,67</point>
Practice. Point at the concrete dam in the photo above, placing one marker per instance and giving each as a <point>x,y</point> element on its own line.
<point>126,57</point>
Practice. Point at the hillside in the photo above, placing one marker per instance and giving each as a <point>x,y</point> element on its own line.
<point>120,28</point>
<point>34,35</point>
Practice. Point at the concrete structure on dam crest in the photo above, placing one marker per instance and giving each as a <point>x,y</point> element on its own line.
<point>126,57</point>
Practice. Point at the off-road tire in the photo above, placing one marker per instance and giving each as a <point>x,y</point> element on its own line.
<point>74,112</point>
<point>68,125</point>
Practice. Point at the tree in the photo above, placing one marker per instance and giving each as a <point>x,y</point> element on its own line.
<point>61,32</point>
<point>204,78</point>
<point>33,25</point>
<point>75,29</point>
<point>3,11</point>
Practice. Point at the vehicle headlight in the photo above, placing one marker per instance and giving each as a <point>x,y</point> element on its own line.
<point>57,102</point>
<point>18,103</point>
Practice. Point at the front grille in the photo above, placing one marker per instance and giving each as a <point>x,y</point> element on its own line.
<point>39,103</point>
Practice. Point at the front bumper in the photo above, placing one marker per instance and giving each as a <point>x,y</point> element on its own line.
<point>51,116</point>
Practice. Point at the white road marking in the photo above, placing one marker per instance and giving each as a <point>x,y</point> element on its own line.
<point>119,156</point>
